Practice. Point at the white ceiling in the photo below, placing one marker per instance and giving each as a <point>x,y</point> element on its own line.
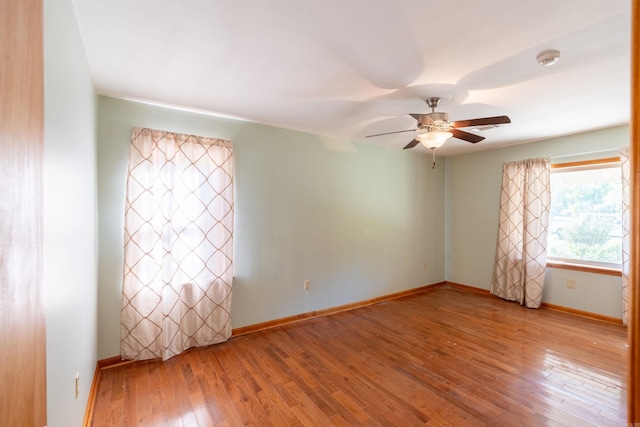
<point>351,68</point>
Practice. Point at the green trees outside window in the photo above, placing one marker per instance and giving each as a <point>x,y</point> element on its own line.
<point>586,210</point>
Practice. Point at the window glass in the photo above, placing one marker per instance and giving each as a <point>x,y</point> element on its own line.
<point>585,224</point>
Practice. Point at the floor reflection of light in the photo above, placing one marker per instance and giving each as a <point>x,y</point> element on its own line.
<point>570,373</point>
<point>595,390</point>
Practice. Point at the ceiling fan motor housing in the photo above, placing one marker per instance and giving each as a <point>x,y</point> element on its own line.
<point>439,117</point>
<point>434,122</point>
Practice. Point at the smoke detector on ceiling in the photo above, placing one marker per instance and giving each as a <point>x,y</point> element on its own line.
<point>548,57</point>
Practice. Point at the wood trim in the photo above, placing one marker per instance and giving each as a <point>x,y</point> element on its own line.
<point>588,314</point>
<point>109,361</point>
<point>480,291</point>
<point>586,268</point>
<point>586,163</point>
<point>112,362</point>
<point>581,313</point>
<point>102,364</point>
<point>324,312</point>
<point>91,400</point>
<point>633,383</point>
<point>468,288</point>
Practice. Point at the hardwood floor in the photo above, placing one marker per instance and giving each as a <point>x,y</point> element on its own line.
<point>446,357</point>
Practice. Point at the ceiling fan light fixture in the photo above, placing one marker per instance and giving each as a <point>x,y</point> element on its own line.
<point>434,128</point>
<point>433,139</point>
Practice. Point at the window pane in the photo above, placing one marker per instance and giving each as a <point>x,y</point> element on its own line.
<point>586,211</point>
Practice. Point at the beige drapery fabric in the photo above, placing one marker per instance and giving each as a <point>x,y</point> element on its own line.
<point>625,166</point>
<point>178,244</point>
<point>521,251</point>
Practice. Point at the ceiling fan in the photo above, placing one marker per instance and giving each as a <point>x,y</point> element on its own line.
<point>435,127</point>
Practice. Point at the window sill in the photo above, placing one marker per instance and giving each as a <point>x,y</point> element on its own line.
<point>586,268</point>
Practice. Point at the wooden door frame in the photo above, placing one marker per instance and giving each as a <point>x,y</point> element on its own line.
<point>22,323</point>
<point>634,286</point>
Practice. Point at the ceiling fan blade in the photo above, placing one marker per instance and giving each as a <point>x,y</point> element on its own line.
<point>423,119</point>
<point>411,144</point>
<point>460,134</point>
<point>497,120</point>
<point>390,133</point>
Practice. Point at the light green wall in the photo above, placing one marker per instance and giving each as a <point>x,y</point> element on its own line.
<point>358,220</point>
<point>472,200</point>
<point>69,223</point>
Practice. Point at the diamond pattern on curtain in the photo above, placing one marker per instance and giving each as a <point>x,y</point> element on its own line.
<point>521,251</point>
<point>178,244</point>
<point>625,166</point>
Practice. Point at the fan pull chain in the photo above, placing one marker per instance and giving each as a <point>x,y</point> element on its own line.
<point>433,150</point>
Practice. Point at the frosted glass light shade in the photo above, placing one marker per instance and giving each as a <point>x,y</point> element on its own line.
<point>433,139</point>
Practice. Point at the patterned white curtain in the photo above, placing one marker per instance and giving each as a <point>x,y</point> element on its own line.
<point>521,252</point>
<point>178,244</point>
<point>625,166</point>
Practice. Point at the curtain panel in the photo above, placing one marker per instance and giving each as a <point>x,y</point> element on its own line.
<point>625,167</point>
<point>521,250</point>
<point>178,244</point>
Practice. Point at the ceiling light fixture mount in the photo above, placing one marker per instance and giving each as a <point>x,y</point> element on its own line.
<point>548,57</point>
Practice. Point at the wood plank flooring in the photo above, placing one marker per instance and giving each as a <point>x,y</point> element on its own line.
<point>446,357</point>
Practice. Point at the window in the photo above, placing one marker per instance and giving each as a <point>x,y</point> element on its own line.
<point>178,268</point>
<point>585,224</point>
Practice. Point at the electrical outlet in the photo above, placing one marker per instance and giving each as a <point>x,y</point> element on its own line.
<point>424,265</point>
<point>307,285</point>
<point>571,283</point>
<point>77,384</point>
